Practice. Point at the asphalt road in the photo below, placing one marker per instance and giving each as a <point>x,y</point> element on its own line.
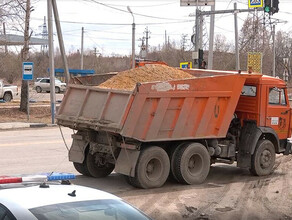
<point>228,193</point>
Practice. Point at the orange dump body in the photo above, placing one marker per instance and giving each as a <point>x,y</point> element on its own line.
<point>173,110</point>
<point>146,62</point>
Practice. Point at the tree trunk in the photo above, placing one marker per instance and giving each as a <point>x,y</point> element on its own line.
<point>25,50</point>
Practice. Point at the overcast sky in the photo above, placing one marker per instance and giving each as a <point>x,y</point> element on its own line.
<point>107,23</point>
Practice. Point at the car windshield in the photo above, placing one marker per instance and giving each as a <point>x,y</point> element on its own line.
<point>85,210</point>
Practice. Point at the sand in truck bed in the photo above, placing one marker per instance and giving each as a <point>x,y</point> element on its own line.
<point>128,79</point>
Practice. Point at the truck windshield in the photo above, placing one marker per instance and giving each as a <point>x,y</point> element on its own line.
<point>249,91</point>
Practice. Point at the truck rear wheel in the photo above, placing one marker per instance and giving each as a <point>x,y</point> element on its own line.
<point>172,154</point>
<point>98,166</point>
<point>152,168</point>
<point>7,97</point>
<point>81,168</point>
<point>191,163</point>
<point>263,159</point>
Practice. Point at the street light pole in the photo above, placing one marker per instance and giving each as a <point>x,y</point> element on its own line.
<point>133,38</point>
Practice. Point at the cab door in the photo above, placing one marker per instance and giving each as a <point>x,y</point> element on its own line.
<point>278,111</point>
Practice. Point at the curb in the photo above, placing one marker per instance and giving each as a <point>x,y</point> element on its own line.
<point>21,125</point>
<point>37,125</point>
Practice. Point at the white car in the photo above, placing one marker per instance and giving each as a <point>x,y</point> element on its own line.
<point>7,92</point>
<point>43,84</point>
<point>48,201</point>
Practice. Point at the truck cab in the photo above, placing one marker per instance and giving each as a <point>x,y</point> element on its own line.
<point>265,117</point>
<point>264,101</point>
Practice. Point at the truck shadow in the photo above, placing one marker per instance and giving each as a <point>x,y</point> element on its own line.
<point>219,176</point>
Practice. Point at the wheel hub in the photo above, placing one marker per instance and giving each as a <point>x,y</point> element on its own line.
<point>195,164</point>
<point>99,161</point>
<point>154,169</point>
<point>265,159</point>
<point>150,168</point>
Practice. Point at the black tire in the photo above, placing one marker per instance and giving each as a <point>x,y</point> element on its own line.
<point>173,152</point>
<point>191,163</point>
<point>81,168</point>
<point>263,159</point>
<point>57,89</point>
<point>97,166</point>
<point>132,181</point>
<point>152,168</point>
<point>38,89</point>
<point>7,97</point>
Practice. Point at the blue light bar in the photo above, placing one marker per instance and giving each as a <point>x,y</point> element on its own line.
<point>60,176</point>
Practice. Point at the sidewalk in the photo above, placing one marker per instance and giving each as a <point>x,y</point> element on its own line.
<point>19,125</point>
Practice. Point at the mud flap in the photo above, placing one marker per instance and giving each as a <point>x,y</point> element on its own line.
<point>126,162</point>
<point>288,148</point>
<point>249,137</point>
<point>77,150</point>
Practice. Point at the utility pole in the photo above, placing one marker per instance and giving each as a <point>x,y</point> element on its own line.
<point>24,101</point>
<point>133,38</point>
<point>165,40</point>
<point>183,41</point>
<point>236,37</point>
<point>82,41</point>
<point>211,39</point>
<point>61,42</point>
<point>44,35</point>
<point>199,14</point>
<point>4,32</point>
<point>147,32</point>
<point>274,50</point>
<point>197,26</point>
<point>51,60</point>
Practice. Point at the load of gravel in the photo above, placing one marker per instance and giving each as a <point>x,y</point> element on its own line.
<point>128,79</point>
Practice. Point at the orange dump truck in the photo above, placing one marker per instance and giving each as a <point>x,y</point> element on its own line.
<point>178,127</point>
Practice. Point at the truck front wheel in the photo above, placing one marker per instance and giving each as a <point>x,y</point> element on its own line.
<point>152,168</point>
<point>191,163</point>
<point>7,97</point>
<point>98,166</point>
<point>263,159</point>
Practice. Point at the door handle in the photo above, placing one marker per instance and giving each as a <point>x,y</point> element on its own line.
<point>285,112</point>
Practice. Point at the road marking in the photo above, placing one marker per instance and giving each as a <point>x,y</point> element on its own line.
<point>33,143</point>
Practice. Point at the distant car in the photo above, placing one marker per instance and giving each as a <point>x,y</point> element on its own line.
<point>43,84</point>
<point>58,201</point>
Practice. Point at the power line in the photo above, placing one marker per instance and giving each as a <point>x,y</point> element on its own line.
<point>138,14</point>
<point>120,24</point>
<point>144,6</point>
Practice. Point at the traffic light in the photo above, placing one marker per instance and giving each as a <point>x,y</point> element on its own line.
<point>267,7</point>
<point>275,6</point>
<point>271,6</point>
<point>202,63</point>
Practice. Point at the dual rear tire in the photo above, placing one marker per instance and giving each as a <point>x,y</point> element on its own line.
<point>189,163</point>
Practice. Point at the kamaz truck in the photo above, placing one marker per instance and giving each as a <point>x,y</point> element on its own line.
<point>178,128</point>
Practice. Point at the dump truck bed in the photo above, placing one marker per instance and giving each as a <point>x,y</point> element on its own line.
<point>173,110</point>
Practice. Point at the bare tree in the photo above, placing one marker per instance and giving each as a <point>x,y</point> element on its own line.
<point>221,44</point>
<point>25,56</point>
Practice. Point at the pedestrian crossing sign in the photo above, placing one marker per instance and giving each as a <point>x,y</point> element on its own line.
<point>255,3</point>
